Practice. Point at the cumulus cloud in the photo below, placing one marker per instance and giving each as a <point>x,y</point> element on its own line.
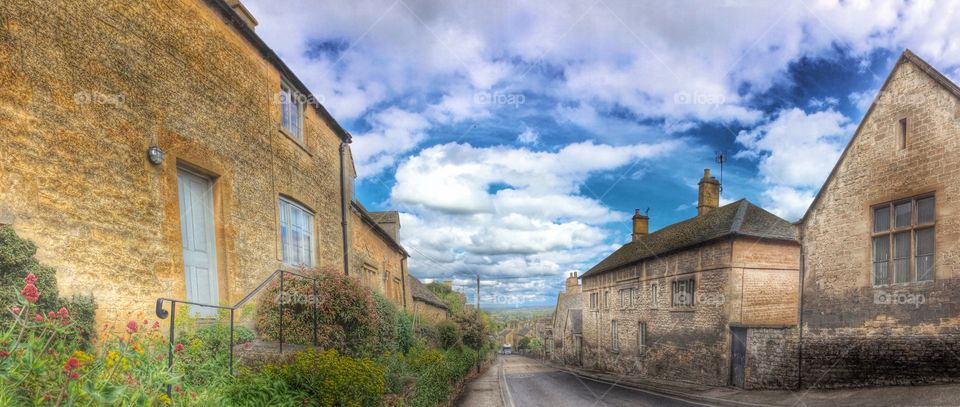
<point>508,212</point>
<point>529,136</point>
<point>795,153</point>
<point>395,131</point>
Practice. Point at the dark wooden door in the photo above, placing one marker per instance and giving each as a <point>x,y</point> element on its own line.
<point>738,357</point>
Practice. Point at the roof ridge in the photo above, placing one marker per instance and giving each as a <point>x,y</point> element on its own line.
<point>740,215</point>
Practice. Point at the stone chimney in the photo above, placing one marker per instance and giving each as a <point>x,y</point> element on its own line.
<point>709,196</point>
<point>573,284</point>
<point>641,224</point>
<point>243,13</point>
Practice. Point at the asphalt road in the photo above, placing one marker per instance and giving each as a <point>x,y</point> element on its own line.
<point>528,382</point>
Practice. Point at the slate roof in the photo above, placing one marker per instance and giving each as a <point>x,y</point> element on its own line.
<point>740,218</point>
<point>422,293</point>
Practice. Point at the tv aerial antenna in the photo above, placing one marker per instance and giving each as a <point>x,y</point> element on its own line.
<point>721,158</point>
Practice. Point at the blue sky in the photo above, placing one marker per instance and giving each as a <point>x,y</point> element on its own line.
<point>517,138</point>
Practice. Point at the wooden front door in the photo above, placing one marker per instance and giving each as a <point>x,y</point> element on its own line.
<point>199,242</point>
<point>738,357</point>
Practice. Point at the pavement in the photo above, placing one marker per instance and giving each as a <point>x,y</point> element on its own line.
<point>519,381</point>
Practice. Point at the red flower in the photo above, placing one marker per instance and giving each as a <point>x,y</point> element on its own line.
<point>132,326</point>
<point>30,279</point>
<point>38,318</point>
<point>178,348</point>
<point>156,324</point>
<point>73,363</point>
<point>63,312</point>
<point>51,315</point>
<point>30,292</point>
<point>16,310</point>
<point>74,375</point>
<point>3,354</point>
<point>176,388</point>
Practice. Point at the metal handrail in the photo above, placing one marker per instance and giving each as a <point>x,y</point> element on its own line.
<point>163,314</point>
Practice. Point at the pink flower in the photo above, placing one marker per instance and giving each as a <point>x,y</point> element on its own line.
<point>178,348</point>
<point>38,318</point>
<point>132,327</point>
<point>3,354</point>
<point>30,279</point>
<point>30,292</point>
<point>63,312</point>
<point>16,310</point>
<point>51,315</point>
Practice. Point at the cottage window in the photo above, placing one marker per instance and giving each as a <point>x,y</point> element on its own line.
<point>683,291</point>
<point>902,133</point>
<point>903,241</point>
<point>606,299</point>
<point>593,300</point>
<point>296,234</point>
<point>654,295</point>
<point>614,339</point>
<point>291,111</point>
<point>642,337</point>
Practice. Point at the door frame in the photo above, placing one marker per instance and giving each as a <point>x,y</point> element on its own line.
<point>735,379</point>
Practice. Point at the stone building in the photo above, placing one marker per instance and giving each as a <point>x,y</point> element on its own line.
<point>376,258</point>
<point>566,346</point>
<point>881,243</point>
<point>426,306</point>
<point>252,173</point>
<point>676,304</point>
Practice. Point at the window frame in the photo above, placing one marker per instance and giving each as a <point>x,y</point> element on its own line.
<point>641,337</point>
<point>891,233</point>
<point>675,285</point>
<point>311,228</point>
<point>614,336</point>
<point>294,97</point>
<point>594,300</point>
<point>654,296</point>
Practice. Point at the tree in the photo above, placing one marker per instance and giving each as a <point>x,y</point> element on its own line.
<point>523,344</point>
<point>473,329</point>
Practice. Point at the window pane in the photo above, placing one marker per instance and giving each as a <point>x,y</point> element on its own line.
<point>901,257</point>
<point>925,210</point>
<point>881,219</point>
<point>881,255</point>
<point>925,254</point>
<point>902,213</point>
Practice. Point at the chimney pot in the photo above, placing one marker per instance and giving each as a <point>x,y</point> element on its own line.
<point>641,224</point>
<point>708,197</point>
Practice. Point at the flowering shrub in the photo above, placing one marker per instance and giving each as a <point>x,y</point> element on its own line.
<point>42,363</point>
<point>346,316</point>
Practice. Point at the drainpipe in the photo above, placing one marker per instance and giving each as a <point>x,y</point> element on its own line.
<point>343,211</point>
<point>803,266</point>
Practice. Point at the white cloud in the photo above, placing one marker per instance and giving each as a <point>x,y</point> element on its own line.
<point>529,136</point>
<point>508,212</point>
<point>796,152</point>
<point>395,131</point>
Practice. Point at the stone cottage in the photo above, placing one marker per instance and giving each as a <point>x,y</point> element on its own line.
<point>376,257</point>
<point>162,149</point>
<point>881,243</point>
<point>676,304</point>
<point>426,306</point>
<point>566,346</point>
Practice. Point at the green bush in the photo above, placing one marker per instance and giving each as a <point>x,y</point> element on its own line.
<point>448,334</point>
<point>437,372</point>
<point>255,389</point>
<point>206,352</point>
<point>328,379</point>
<point>346,313</point>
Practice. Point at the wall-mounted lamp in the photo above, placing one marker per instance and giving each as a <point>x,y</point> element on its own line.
<point>155,155</point>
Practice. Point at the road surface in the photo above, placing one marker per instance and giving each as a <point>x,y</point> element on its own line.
<point>526,382</point>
